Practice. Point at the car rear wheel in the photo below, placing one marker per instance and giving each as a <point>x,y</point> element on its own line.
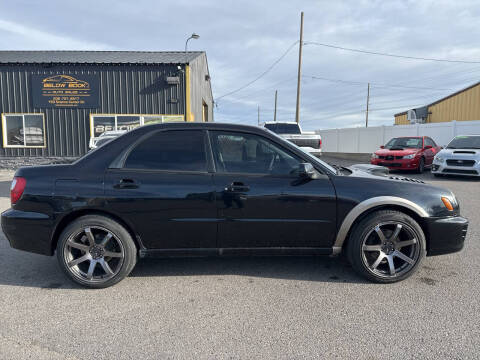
<point>386,246</point>
<point>96,251</point>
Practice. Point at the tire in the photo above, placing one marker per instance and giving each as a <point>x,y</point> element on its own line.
<point>96,251</point>
<point>373,258</point>
<point>421,166</point>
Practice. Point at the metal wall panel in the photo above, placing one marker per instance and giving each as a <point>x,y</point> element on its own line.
<point>124,89</point>
<point>462,106</point>
<point>201,90</point>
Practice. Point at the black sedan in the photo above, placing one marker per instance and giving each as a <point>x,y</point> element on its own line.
<point>217,190</point>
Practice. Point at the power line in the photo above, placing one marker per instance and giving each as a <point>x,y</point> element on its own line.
<point>372,83</point>
<point>387,54</point>
<point>261,75</point>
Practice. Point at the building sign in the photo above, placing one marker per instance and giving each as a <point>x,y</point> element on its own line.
<point>65,91</point>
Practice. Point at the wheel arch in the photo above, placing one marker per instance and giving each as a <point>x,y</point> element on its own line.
<point>67,219</point>
<point>368,206</point>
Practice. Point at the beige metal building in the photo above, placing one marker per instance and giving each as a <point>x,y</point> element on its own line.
<point>463,105</point>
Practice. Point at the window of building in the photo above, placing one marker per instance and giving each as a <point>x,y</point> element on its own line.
<point>251,154</point>
<point>100,123</point>
<point>23,130</point>
<point>180,150</point>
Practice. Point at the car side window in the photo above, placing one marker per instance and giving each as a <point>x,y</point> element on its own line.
<point>181,150</point>
<point>430,142</point>
<point>251,154</point>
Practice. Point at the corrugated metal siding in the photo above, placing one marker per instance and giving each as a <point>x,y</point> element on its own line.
<point>401,120</point>
<point>463,106</point>
<point>124,89</point>
<point>200,88</point>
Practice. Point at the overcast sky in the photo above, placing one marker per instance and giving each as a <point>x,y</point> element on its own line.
<point>244,38</point>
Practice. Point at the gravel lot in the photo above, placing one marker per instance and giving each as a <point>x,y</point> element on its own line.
<point>245,307</point>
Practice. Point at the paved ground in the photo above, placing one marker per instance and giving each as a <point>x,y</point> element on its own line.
<point>245,308</point>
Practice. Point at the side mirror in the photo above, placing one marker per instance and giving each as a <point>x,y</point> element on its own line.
<point>428,147</point>
<point>307,171</point>
<point>382,147</point>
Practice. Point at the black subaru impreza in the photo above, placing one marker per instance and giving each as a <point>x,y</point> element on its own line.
<point>191,189</point>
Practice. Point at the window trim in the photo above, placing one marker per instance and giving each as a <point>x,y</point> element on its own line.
<point>4,131</point>
<point>119,162</point>
<point>141,116</point>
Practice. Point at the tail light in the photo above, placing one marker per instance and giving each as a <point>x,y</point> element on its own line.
<point>320,143</point>
<point>17,188</point>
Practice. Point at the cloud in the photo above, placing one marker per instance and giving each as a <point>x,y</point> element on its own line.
<point>14,36</point>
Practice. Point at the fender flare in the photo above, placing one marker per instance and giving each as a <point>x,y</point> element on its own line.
<point>365,205</point>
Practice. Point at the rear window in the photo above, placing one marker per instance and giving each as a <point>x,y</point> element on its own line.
<point>465,142</point>
<point>170,150</point>
<point>283,128</point>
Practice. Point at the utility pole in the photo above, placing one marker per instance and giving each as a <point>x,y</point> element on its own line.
<point>258,114</point>
<point>368,100</point>
<point>297,112</point>
<point>275,111</point>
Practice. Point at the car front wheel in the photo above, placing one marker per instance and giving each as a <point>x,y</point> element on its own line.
<point>386,246</point>
<point>96,251</point>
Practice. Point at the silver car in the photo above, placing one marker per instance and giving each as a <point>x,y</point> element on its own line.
<point>460,157</point>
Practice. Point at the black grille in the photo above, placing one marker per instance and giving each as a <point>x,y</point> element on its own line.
<point>461,171</point>
<point>390,164</point>
<point>390,157</point>
<point>460,162</point>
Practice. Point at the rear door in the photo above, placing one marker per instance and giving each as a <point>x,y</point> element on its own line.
<point>261,202</point>
<point>165,191</point>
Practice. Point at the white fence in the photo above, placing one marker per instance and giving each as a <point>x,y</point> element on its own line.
<point>367,140</point>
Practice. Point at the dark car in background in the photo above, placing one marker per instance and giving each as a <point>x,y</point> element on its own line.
<point>407,153</point>
<point>212,189</point>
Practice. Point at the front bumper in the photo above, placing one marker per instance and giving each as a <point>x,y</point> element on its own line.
<point>445,169</point>
<point>28,231</point>
<point>445,234</point>
<point>400,164</point>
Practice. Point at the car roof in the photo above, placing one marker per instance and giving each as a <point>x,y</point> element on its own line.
<point>281,122</point>
<point>199,125</point>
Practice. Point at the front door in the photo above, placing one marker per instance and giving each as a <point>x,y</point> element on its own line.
<point>164,190</point>
<point>261,202</point>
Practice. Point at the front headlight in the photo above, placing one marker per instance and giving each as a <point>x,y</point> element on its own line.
<point>374,156</point>
<point>438,159</point>
<point>411,156</point>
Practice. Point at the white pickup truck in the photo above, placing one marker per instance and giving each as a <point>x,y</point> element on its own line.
<point>291,131</point>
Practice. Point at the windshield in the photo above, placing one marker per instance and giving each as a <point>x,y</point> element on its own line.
<point>465,142</point>
<point>283,128</point>
<point>404,142</point>
<point>310,156</point>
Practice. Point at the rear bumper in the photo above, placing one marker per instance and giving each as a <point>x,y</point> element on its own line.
<point>28,231</point>
<point>400,164</point>
<point>446,235</point>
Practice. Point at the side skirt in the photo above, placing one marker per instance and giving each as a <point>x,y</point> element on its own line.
<point>206,252</point>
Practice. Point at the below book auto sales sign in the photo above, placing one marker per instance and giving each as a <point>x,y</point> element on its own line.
<point>65,91</point>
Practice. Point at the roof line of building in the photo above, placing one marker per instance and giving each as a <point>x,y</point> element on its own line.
<point>97,57</point>
<point>444,98</point>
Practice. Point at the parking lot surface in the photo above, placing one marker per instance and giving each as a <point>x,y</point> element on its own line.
<point>245,307</point>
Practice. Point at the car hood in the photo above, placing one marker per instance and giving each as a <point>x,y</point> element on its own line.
<point>385,152</point>
<point>379,172</point>
<point>460,153</point>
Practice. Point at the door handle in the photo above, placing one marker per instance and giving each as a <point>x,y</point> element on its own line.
<point>126,184</point>
<point>237,186</point>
